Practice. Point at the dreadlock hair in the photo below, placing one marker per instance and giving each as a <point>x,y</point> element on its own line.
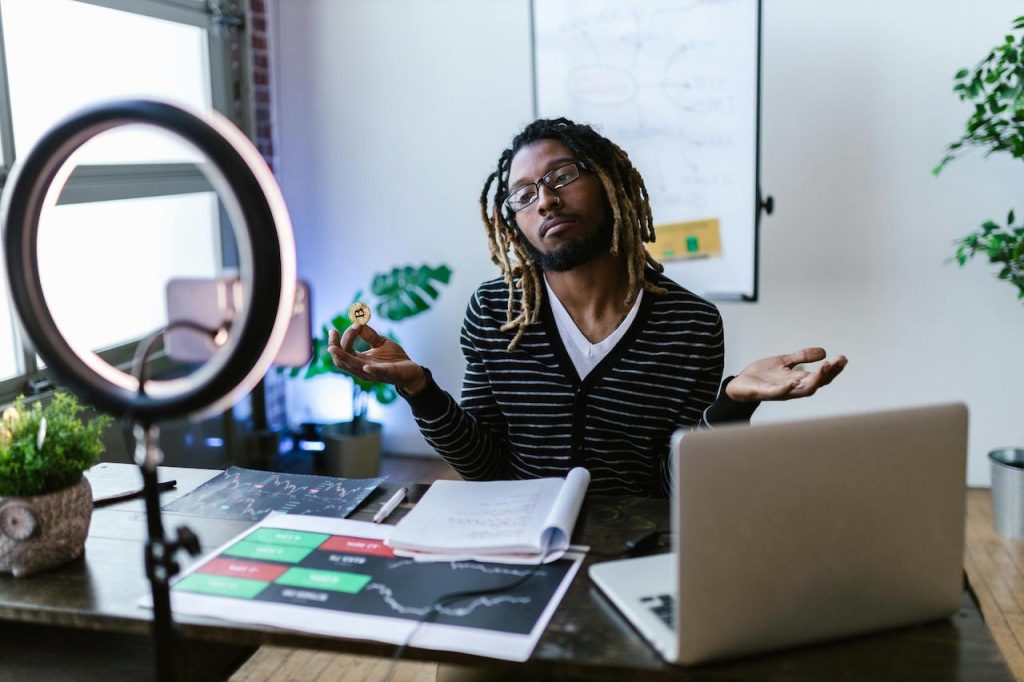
<point>623,188</point>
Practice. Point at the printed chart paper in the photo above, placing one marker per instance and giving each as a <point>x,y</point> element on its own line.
<point>337,577</point>
<point>251,495</point>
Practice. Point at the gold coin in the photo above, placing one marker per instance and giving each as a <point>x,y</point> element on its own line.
<point>359,313</point>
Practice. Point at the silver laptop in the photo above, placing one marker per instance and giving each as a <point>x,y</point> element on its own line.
<point>786,534</point>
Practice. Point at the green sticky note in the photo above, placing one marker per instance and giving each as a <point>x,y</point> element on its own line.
<point>257,550</point>
<point>692,243</point>
<point>220,585</point>
<point>338,581</point>
<point>286,538</point>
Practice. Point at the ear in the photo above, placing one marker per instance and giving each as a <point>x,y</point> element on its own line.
<point>17,520</point>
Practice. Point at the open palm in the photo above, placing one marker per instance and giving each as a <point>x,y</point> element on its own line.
<point>779,377</point>
<point>384,361</point>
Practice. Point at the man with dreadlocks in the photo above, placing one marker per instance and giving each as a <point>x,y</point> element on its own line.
<point>582,353</point>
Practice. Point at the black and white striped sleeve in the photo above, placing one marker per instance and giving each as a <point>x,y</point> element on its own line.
<point>471,436</point>
<point>722,409</point>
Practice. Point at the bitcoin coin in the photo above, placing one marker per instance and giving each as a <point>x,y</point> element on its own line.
<point>359,313</point>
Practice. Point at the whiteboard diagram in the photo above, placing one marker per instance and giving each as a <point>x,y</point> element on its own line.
<point>675,84</point>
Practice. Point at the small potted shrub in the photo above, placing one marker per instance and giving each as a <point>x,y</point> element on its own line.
<point>45,501</point>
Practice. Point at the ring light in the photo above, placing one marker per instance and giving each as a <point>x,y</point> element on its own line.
<point>256,208</point>
<point>266,252</point>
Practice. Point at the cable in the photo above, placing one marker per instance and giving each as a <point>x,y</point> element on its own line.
<point>143,350</point>
<point>148,345</point>
<point>434,610</point>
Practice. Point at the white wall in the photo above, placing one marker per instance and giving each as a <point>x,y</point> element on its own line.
<point>391,114</point>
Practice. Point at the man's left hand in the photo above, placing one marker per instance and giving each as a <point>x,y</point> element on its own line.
<point>780,378</point>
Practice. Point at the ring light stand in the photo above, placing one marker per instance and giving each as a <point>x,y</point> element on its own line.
<point>267,265</point>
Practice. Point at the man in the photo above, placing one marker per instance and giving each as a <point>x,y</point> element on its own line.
<point>582,353</point>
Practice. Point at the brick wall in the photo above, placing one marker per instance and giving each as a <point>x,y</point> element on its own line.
<point>263,136</point>
<point>260,69</point>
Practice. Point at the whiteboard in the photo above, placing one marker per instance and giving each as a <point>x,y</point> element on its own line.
<point>675,84</point>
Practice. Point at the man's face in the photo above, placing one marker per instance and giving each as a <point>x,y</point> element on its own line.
<point>563,228</point>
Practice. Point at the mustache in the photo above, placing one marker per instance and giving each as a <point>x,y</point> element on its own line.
<point>553,219</point>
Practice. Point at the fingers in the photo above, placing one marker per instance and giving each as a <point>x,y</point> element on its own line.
<point>371,337</point>
<point>342,350</point>
<point>812,354</point>
<point>345,360</point>
<point>830,370</point>
<point>362,331</point>
<point>822,376</point>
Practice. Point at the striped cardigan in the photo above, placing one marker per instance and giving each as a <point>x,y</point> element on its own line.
<point>527,414</point>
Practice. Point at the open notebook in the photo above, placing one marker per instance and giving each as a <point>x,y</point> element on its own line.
<point>503,521</point>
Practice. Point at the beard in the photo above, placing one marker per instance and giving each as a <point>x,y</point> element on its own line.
<point>571,254</point>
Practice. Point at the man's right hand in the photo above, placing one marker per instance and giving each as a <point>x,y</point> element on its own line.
<point>385,360</point>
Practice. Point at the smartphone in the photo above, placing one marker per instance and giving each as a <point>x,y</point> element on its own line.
<point>214,303</point>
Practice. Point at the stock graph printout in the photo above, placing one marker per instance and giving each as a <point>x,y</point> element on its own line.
<point>238,493</point>
<point>337,577</point>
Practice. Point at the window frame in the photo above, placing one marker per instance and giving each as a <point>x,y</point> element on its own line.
<point>224,21</point>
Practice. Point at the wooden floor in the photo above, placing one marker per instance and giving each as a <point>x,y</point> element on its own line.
<point>278,664</point>
<point>995,570</point>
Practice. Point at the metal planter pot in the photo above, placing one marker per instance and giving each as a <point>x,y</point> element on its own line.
<point>1008,491</point>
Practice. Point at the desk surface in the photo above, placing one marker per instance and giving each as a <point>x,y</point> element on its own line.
<point>586,637</point>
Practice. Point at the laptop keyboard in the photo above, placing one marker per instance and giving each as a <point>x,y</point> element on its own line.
<point>663,606</point>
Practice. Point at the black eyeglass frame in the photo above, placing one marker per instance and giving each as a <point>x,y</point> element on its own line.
<point>580,167</point>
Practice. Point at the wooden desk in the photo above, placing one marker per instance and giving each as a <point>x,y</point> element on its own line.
<point>587,638</point>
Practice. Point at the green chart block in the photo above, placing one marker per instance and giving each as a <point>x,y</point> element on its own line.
<point>339,581</point>
<point>287,538</point>
<point>220,585</point>
<point>257,550</point>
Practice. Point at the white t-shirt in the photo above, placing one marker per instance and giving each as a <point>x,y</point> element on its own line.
<point>585,356</point>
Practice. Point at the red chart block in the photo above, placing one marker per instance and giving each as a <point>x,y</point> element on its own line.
<point>350,545</point>
<point>237,568</point>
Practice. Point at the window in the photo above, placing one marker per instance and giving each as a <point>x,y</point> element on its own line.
<point>137,210</point>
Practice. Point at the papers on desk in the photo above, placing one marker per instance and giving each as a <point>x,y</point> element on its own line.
<point>113,482</point>
<point>515,522</point>
<point>338,577</point>
<point>251,495</point>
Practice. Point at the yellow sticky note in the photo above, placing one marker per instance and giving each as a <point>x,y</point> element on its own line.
<point>682,241</point>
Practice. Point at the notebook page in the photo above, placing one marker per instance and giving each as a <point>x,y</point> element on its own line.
<point>479,516</point>
<point>562,518</point>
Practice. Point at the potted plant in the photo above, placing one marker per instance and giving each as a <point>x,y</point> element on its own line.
<point>996,87</point>
<point>45,501</point>
<point>352,448</point>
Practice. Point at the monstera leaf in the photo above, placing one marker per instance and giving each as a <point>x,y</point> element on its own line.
<point>408,291</point>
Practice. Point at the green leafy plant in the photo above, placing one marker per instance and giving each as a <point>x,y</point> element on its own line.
<point>996,86</point>
<point>69,445</point>
<point>397,295</point>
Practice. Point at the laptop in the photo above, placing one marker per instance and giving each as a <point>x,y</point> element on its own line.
<point>787,534</point>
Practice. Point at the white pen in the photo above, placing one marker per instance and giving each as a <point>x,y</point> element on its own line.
<point>391,505</point>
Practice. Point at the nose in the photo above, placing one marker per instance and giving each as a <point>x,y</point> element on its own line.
<point>547,198</point>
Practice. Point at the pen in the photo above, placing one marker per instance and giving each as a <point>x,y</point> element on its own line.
<point>133,493</point>
<point>391,505</point>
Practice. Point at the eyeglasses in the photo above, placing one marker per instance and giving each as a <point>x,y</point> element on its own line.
<point>556,179</point>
